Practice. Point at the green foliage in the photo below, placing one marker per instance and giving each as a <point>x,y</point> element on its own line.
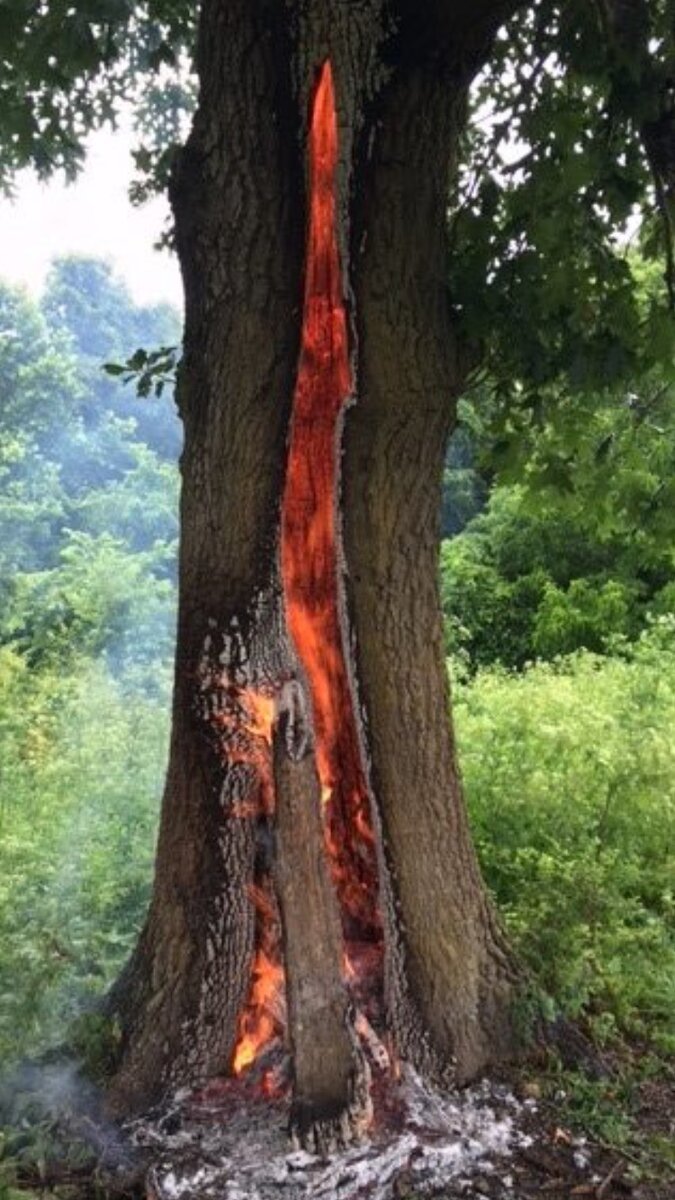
<point>88,508</point>
<point>590,613</point>
<point>88,526</point>
<point>95,1040</point>
<point>91,310</point>
<point>569,771</point>
<point>555,167</point>
<point>152,370</point>
<point>563,561</point>
<point>464,489</point>
<point>68,67</point>
<point>100,598</point>
<point>38,377</point>
<point>607,1111</point>
<point>518,584</point>
<point>573,547</point>
<point>83,756</point>
<point>602,454</point>
<point>87,302</point>
<point>570,117</point>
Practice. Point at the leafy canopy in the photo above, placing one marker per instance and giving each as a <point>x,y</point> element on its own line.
<point>68,67</point>
<point>569,142</point>
<point>569,152</point>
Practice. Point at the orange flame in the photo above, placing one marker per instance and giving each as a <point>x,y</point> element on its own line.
<point>259,1023</point>
<point>262,1020</point>
<point>309,558</point>
<point>243,722</point>
<point>309,537</point>
<point>261,714</point>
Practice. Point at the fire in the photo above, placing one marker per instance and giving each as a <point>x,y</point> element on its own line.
<point>309,533</point>
<point>261,711</point>
<point>262,1019</point>
<point>310,538</point>
<point>259,1023</point>
<point>242,720</point>
<point>309,558</point>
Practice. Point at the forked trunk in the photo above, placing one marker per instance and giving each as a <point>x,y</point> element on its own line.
<point>313,840</point>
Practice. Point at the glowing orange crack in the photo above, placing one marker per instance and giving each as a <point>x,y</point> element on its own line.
<point>309,537</point>
<point>310,582</point>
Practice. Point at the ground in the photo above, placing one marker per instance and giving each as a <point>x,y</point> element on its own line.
<point>547,1132</point>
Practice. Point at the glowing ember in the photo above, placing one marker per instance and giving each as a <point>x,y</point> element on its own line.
<point>260,1022</point>
<point>309,536</point>
<point>260,716</point>
<point>263,1018</point>
<point>242,719</point>
<point>310,579</point>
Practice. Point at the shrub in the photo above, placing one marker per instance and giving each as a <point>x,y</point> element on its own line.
<point>82,763</point>
<point>570,776</point>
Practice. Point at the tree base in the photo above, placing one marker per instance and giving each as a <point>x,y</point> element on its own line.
<point>325,1130</point>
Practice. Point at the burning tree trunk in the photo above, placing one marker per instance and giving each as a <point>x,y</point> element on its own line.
<point>329,1070</point>
<point>312,762</point>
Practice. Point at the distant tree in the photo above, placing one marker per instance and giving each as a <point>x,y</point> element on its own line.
<point>518,584</point>
<point>84,297</point>
<point>574,546</point>
<point>88,519</point>
<point>39,385</point>
<point>85,302</point>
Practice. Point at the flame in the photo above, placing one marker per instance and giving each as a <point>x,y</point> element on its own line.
<point>261,714</point>
<point>309,535</point>
<point>243,720</point>
<point>259,1023</point>
<point>262,1019</point>
<point>309,557</point>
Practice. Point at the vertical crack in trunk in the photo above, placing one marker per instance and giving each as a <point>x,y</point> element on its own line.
<point>314,788</point>
<point>310,550</point>
<point>258,824</point>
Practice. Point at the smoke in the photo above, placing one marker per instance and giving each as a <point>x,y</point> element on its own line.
<point>53,1122</point>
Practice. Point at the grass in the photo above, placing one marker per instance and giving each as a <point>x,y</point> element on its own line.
<point>569,771</point>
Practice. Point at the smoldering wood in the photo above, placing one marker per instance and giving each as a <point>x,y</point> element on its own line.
<point>426,1143</point>
<point>238,198</point>
<point>331,1103</point>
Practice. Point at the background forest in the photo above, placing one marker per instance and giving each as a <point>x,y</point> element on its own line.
<point>558,585</point>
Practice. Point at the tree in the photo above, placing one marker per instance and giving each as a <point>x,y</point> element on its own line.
<point>83,301</point>
<point>310,648</point>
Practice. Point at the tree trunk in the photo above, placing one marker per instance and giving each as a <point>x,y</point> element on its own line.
<point>329,1072</point>
<point>448,974</point>
<point>233,813</point>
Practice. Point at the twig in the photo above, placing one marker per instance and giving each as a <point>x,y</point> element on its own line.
<point>611,1175</point>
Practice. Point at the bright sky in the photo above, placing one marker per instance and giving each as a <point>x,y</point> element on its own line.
<point>92,216</point>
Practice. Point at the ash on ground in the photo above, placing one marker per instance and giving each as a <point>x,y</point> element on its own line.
<point>423,1143</point>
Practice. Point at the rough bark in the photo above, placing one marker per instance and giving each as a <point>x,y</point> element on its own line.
<point>237,200</point>
<point>449,976</point>
<point>330,1076</point>
<point>239,203</point>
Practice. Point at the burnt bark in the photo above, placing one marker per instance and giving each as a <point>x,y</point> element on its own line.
<point>237,200</point>
<point>330,1075</point>
<point>239,203</point>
